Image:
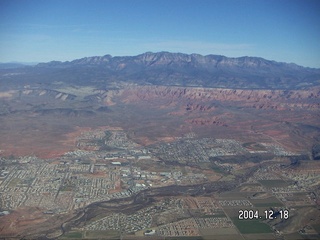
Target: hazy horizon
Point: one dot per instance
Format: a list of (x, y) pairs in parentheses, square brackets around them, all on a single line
[(53, 60)]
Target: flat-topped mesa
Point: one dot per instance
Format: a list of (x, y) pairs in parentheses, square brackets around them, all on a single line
[(202, 98)]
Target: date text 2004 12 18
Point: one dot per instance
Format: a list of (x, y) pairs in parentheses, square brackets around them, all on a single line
[(267, 214)]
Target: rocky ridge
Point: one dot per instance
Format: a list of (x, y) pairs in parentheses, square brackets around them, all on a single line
[(169, 69), (203, 98)]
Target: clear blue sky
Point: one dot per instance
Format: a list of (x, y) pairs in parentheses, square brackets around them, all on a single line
[(45, 30)]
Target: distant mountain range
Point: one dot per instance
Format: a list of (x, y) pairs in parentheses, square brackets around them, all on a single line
[(171, 69), (10, 65)]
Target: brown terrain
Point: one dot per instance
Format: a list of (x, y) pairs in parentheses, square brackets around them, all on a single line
[(24, 220), (46, 122)]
